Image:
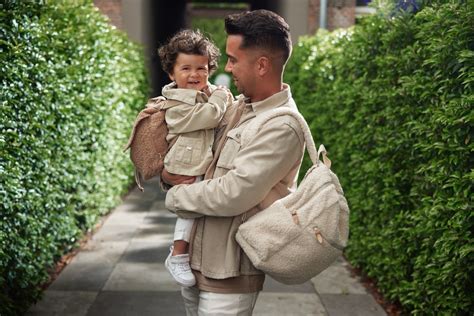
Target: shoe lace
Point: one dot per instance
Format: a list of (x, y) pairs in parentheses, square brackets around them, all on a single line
[(182, 268)]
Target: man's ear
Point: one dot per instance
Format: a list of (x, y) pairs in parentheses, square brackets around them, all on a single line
[(263, 65)]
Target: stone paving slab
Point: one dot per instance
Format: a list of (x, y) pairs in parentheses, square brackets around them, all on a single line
[(160, 217), (146, 252), (337, 280), (159, 205), (121, 271), (146, 230), (140, 277), (271, 285), (84, 277), (122, 232), (137, 303), (100, 252), (153, 236), (291, 304), (351, 305), (127, 216), (71, 303), (90, 269)]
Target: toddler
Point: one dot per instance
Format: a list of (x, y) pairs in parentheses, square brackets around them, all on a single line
[(188, 59)]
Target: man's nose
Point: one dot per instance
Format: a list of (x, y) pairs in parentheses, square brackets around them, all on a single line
[(228, 66)]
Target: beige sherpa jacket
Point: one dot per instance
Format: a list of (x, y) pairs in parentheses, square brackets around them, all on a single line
[(192, 122), (247, 179)]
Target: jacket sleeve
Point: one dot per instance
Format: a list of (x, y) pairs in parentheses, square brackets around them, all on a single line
[(258, 167), (190, 118)]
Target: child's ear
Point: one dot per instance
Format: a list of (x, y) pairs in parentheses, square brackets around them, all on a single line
[(171, 76)]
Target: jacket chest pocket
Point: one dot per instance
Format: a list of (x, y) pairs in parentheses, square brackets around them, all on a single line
[(186, 150), (229, 151)]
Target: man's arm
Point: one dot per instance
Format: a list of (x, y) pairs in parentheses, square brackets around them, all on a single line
[(268, 158)]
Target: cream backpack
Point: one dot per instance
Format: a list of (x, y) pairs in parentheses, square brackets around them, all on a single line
[(300, 235)]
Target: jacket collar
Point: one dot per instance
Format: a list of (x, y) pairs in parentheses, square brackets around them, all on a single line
[(281, 98)]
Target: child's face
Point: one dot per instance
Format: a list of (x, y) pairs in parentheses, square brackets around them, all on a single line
[(190, 71)]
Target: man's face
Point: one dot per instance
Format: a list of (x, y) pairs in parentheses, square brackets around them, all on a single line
[(241, 64)]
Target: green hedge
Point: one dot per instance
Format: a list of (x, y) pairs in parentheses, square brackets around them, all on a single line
[(71, 87), (393, 99)]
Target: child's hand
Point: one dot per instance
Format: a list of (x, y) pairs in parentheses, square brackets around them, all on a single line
[(221, 87), (175, 179), (206, 90)]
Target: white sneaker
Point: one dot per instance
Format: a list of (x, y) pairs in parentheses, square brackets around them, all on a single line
[(179, 268)]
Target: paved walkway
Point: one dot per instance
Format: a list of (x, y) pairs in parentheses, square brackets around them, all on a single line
[(121, 272)]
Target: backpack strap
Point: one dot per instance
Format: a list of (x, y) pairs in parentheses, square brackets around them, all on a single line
[(263, 118)]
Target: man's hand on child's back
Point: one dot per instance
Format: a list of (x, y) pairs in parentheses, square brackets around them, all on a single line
[(175, 179)]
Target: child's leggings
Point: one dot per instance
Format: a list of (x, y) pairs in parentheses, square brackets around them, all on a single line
[(182, 230)]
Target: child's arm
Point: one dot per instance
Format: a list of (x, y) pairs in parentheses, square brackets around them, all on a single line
[(200, 116)]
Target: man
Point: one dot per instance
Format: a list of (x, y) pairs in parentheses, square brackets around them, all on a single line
[(243, 178)]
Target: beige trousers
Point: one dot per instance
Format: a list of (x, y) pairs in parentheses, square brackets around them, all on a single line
[(201, 303)]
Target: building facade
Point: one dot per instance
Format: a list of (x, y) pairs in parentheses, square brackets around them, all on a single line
[(152, 22)]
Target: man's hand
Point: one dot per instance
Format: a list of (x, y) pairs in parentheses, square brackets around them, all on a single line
[(175, 179)]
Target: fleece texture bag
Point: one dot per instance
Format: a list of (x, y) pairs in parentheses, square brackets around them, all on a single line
[(300, 235), (147, 142)]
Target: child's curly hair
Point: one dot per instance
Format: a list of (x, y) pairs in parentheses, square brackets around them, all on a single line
[(191, 42)]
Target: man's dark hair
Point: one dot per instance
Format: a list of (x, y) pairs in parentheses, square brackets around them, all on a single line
[(261, 29), (191, 42)]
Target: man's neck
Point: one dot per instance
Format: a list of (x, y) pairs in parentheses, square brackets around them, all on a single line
[(267, 92)]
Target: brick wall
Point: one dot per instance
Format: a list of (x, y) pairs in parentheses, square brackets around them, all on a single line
[(313, 16), (340, 14), (112, 9)]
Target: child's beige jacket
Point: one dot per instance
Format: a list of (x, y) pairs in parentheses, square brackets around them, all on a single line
[(192, 123)]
